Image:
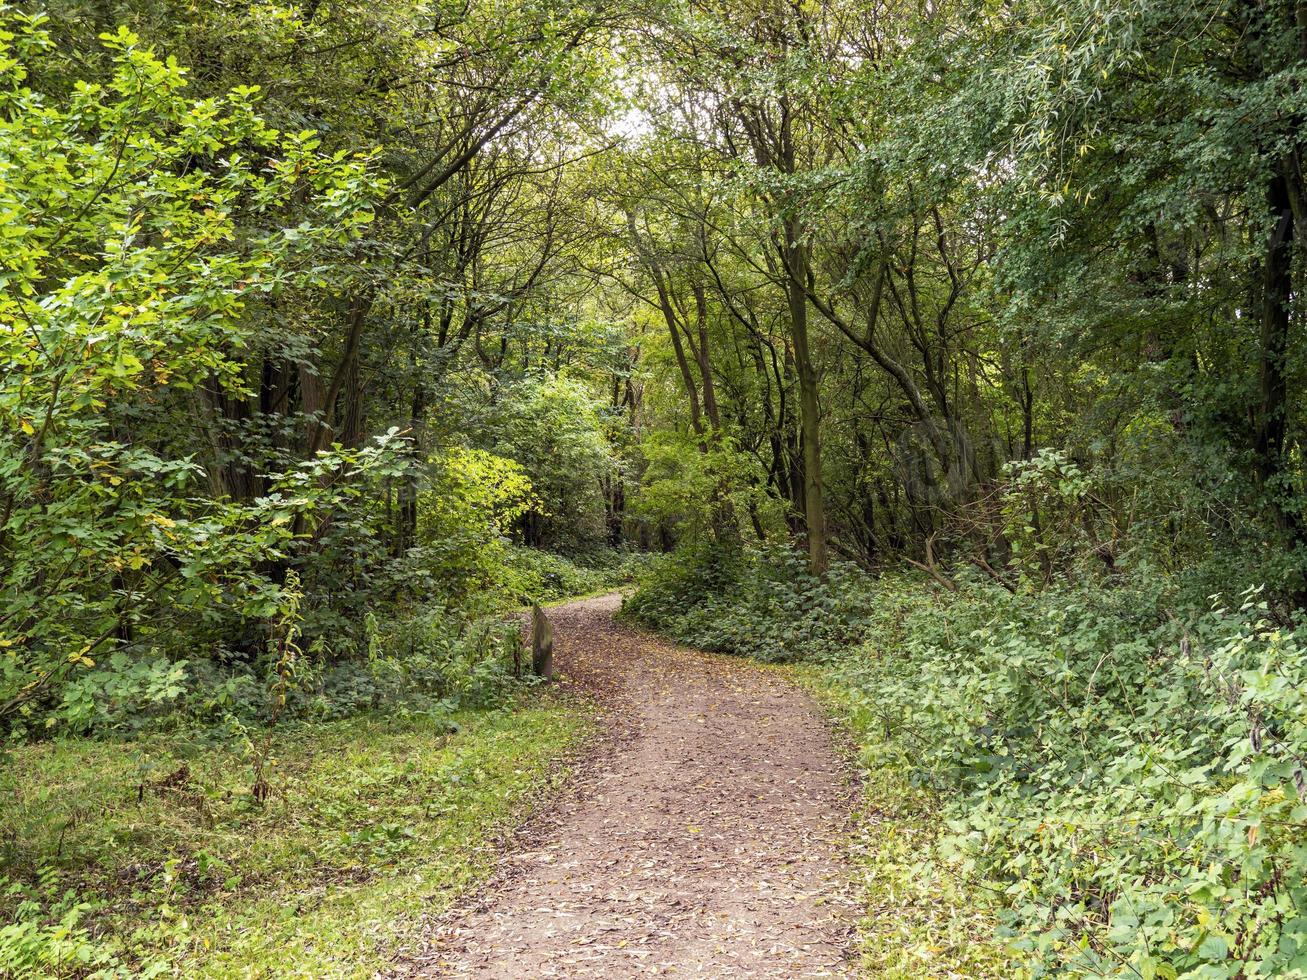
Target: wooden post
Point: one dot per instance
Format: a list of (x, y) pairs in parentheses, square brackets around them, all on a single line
[(542, 643)]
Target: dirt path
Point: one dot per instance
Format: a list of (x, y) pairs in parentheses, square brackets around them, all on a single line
[(704, 841)]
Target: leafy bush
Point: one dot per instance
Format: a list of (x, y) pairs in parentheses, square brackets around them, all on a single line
[(121, 692), (465, 517), (1132, 781), (674, 583), (766, 605), (431, 657), (432, 654), (30, 949), (532, 575)]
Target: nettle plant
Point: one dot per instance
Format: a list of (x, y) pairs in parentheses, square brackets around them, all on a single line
[(139, 227), (1130, 785)]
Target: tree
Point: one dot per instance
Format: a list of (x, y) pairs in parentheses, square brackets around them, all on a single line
[(139, 222)]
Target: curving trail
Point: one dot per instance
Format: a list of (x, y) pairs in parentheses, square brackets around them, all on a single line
[(704, 840)]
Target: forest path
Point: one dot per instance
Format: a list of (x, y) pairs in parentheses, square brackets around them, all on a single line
[(705, 839)]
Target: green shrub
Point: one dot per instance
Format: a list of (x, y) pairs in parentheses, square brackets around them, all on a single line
[(56, 939), (1133, 781), (533, 575), (431, 657), (765, 605), (689, 577)]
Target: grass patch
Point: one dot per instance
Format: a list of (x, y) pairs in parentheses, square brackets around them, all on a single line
[(920, 919), (155, 856)]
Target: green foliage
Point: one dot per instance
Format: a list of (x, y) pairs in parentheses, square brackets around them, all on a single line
[(532, 575), (121, 690), (684, 580), (476, 488), (136, 223), (1043, 504), (305, 367), (428, 659), (465, 517), (922, 916), (765, 605), (432, 655), (55, 940), (691, 487), (550, 426), (1133, 783)]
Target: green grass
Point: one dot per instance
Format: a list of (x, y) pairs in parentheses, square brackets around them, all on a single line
[(920, 918), (373, 822)]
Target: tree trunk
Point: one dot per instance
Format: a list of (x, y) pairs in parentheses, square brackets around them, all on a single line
[(1272, 409), (814, 505)]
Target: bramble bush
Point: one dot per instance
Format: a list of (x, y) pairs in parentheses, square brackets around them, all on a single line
[(1132, 780)]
